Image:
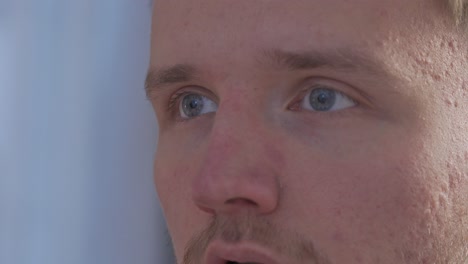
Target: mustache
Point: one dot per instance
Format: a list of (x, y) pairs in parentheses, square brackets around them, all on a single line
[(256, 229)]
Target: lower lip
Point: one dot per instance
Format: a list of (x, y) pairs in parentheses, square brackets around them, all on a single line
[(237, 253)]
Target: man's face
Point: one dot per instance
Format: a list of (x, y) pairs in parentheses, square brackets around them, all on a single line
[(300, 131)]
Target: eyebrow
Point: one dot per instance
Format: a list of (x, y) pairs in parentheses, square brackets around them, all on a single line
[(340, 59), (178, 73), (344, 60)]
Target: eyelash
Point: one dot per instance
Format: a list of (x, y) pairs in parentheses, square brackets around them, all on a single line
[(298, 100), (175, 98), (174, 101)]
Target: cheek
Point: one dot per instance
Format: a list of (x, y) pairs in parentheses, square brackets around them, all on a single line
[(372, 197), (172, 172), (175, 165)]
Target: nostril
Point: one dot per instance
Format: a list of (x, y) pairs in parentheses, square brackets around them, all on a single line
[(241, 201), (235, 262)]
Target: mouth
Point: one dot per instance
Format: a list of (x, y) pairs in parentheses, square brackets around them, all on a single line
[(220, 252), (233, 262)]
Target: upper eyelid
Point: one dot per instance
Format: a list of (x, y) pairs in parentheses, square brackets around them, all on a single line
[(322, 82), (326, 84), (301, 89), (175, 97), (344, 88)]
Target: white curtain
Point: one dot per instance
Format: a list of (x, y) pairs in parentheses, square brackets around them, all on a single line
[(77, 136)]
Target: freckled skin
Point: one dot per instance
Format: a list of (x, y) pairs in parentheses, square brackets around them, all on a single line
[(381, 183)]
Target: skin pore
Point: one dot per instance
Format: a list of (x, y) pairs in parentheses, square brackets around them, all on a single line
[(253, 165)]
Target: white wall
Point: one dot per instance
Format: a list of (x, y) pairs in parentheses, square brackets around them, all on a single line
[(77, 136)]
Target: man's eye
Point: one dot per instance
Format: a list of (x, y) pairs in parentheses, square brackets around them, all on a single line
[(326, 100), (193, 105)]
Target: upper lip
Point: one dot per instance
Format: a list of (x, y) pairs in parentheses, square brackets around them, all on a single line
[(219, 252)]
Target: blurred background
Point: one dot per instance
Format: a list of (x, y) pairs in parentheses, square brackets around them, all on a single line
[(77, 136)]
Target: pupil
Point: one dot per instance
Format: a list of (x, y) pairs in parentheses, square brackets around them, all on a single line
[(322, 99), (192, 105)]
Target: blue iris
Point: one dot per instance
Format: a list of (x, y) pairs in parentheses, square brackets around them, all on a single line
[(322, 99), (192, 105)]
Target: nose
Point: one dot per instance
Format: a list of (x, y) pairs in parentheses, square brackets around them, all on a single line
[(238, 174)]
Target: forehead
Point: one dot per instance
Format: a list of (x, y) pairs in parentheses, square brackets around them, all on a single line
[(189, 30), (274, 12)]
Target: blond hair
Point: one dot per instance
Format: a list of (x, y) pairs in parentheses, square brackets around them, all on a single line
[(459, 10)]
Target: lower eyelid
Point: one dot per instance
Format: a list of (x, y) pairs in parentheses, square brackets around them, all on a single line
[(340, 97), (175, 99)]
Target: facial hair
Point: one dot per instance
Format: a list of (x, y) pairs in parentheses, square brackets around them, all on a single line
[(254, 229)]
